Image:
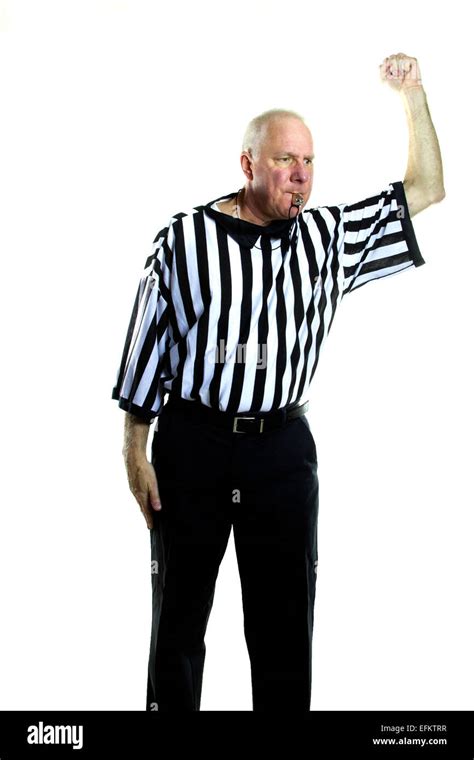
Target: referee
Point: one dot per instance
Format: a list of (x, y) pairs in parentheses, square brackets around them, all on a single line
[(235, 301)]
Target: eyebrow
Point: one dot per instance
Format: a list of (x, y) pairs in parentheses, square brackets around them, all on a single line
[(289, 153)]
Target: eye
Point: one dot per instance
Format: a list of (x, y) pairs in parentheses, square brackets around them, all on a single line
[(284, 158), (309, 161)]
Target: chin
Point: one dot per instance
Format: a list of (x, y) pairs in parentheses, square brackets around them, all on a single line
[(282, 212)]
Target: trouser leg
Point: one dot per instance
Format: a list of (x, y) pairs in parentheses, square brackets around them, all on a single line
[(275, 533), (188, 542)]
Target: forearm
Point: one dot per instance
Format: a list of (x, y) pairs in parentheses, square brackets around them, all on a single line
[(135, 437), (424, 168)]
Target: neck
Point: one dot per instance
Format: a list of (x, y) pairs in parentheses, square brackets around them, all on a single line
[(248, 210), (246, 207)]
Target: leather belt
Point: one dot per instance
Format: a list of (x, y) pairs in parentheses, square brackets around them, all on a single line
[(243, 422)]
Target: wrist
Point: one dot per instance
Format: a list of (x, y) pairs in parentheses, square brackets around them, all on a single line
[(414, 89), (414, 101)]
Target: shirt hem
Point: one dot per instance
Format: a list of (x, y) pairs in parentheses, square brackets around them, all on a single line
[(129, 406), (407, 225)]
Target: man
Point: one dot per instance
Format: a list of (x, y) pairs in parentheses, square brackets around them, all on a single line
[(232, 309)]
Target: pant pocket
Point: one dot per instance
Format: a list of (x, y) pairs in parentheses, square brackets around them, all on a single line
[(308, 435)]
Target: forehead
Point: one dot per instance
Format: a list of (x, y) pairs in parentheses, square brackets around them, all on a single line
[(286, 134)]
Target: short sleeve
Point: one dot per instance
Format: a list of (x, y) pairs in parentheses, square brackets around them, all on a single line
[(378, 238), (138, 387)]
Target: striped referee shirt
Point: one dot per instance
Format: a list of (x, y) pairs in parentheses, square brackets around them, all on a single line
[(235, 314)]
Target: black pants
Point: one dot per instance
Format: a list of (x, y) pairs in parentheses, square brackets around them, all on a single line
[(265, 486)]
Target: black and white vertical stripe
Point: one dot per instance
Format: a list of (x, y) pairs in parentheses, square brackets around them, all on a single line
[(241, 328)]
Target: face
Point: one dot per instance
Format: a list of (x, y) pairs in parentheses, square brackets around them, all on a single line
[(283, 165)]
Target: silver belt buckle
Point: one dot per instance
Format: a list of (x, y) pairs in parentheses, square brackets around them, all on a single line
[(236, 421)]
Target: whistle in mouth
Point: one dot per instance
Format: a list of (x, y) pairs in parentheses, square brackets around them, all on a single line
[(297, 199)]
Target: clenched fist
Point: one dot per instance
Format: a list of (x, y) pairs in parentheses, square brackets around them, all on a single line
[(400, 71)]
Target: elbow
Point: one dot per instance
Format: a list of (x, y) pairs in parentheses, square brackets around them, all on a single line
[(438, 195), (420, 196)]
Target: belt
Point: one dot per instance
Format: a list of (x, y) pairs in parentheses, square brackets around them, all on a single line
[(245, 422)]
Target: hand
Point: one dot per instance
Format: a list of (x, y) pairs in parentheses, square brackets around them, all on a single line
[(144, 486), (401, 72)]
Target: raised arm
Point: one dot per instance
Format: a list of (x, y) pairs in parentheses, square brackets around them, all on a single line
[(423, 182)]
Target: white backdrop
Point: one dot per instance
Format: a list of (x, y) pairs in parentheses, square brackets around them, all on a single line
[(116, 114)]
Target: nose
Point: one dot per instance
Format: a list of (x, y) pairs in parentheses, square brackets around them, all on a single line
[(300, 173)]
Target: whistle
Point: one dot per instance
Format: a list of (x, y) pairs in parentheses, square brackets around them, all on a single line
[(297, 199)]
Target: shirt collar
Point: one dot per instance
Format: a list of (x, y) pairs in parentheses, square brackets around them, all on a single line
[(247, 233)]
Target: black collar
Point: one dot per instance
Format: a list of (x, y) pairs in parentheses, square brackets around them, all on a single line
[(247, 233)]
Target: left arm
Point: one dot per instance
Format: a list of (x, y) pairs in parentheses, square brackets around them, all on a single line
[(423, 182)]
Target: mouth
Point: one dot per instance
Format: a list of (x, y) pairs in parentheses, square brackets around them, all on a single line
[(297, 199)]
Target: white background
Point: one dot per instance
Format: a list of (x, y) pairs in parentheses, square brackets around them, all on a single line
[(115, 115)]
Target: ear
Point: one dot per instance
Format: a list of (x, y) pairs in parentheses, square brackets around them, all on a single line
[(246, 164)]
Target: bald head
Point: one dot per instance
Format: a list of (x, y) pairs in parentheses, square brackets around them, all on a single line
[(258, 129)]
